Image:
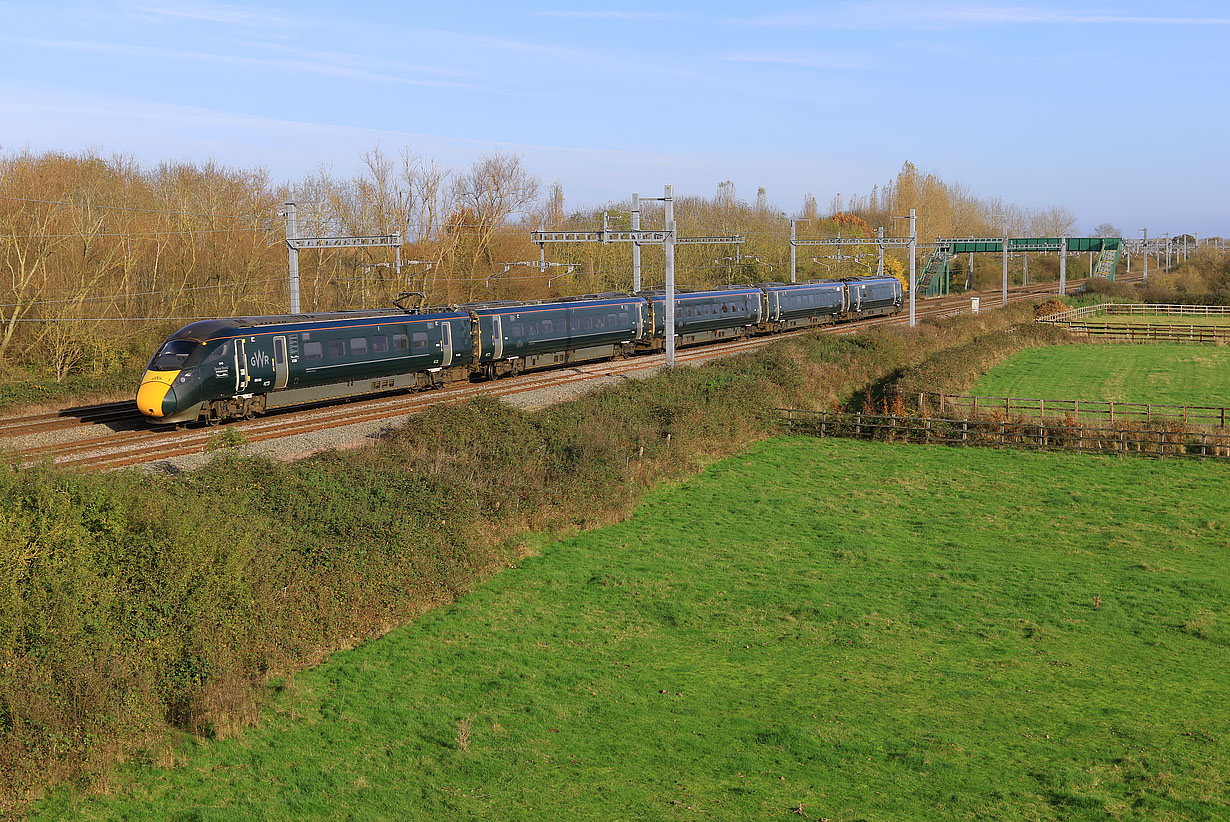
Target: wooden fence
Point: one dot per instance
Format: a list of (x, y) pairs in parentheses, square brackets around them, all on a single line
[(1151, 332), (1043, 434), (1201, 416), (1113, 309)]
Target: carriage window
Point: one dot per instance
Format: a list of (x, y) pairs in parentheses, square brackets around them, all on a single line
[(312, 350), (533, 327), (380, 344), (401, 342), (516, 330), (623, 318), (611, 321), (724, 309), (420, 340), (574, 324), (358, 345), (548, 326), (599, 322), (337, 348), (587, 323)]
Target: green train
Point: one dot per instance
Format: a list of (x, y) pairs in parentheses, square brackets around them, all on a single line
[(216, 370)]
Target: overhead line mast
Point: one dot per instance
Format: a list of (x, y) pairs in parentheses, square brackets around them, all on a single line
[(294, 243), (667, 238)]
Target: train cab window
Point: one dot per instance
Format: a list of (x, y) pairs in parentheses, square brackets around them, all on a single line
[(173, 355), (358, 345), (313, 350), (337, 348), (401, 342), (380, 344), (420, 340)]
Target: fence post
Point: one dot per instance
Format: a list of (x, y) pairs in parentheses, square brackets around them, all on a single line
[(824, 415), (858, 429), (1122, 441), (1001, 436), (1041, 409), (964, 431), (1112, 413)]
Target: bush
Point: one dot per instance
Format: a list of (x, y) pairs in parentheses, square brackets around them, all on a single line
[(132, 604)]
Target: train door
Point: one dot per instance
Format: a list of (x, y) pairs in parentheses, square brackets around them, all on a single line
[(447, 348), (497, 325), (640, 320), (281, 370), (241, 366)]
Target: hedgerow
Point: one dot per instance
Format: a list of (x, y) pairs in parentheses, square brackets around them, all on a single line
[(136, 606)]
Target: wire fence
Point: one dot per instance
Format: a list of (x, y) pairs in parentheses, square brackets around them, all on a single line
[(1122, 440), (968, 405)]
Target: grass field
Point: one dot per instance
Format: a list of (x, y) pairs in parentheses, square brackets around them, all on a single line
[(834, 629), (1128, 372), (1161, 319)]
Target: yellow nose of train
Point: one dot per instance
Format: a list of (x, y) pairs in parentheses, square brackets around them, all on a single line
[(152, 396)]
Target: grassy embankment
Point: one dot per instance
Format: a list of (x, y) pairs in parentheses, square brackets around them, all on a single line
[(26, 388), (837, 629), (131, 605), (1127, 372)]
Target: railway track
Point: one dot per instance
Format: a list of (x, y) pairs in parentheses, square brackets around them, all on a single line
[(125, 441)]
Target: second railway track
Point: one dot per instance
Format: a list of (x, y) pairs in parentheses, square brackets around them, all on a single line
[(126, 442)]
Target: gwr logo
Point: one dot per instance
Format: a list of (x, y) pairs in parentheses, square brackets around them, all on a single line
[(260, 359)]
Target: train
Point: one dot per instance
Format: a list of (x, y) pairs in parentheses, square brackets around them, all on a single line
[(217, 370)]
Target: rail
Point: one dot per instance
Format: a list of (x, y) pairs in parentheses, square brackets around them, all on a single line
[(1041, 435), (1209, 416)]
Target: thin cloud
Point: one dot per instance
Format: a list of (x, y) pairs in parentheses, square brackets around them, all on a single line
[(208, 13), (811, 60), (613, 15), (890, 16), (353, 60), (292, 65)]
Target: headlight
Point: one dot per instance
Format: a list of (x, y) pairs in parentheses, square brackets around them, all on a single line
[(184, 376)]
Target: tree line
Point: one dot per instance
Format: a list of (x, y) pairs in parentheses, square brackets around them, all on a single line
[(100, 256)]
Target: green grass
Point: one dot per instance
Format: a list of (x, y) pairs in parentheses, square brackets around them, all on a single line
[(21, 386), (860, 630), (1128, 372), (1162, 319)]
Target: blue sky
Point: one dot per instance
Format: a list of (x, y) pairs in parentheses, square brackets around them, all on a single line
[(1116, 110)]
